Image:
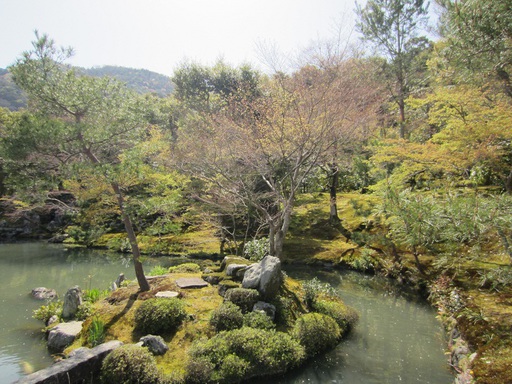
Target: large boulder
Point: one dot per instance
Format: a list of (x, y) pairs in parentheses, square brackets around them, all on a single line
[(42, 293), (72, 300), (264, 276), (63, 335)]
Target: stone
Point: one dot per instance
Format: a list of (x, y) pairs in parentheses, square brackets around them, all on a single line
[(264, 276), (267, 308), (234, 269), (81, 367), (42, 293), (52, 320), (233, 260), (167, 294), (191, 282), (155, 344), (63, 335), (72, 300), (120, 280)]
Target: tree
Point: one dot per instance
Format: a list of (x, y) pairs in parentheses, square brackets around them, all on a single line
[(392, 27), (86, 119), (478, 36), (262, 154)]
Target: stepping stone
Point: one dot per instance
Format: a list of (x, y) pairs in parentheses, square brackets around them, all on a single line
[(191, 282), (167, 294)]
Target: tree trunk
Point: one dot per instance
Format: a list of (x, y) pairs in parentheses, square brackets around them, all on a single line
[(333, 193), (508, 183), (401, 105), (139, 271)]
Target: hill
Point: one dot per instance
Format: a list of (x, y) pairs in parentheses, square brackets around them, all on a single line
[(11, 97), (140, 80)]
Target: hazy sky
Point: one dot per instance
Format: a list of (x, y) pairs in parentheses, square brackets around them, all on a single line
[(160, 34)]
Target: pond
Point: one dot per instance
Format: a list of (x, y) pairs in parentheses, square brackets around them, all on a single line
[(397, 339)]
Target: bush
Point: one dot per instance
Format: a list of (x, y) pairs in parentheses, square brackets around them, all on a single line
[(258, 320), (241, 354), (157, 316), (226, 317), (84, 310), (344, 316), (185, 268), (313, 288), (157, 270), (256, 250), (243, 297), (316, 333), (45, 312), (129, 364)]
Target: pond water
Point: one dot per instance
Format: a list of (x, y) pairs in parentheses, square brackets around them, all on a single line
[(397, 339)]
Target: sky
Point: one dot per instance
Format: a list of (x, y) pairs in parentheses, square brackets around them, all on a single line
[(160, 35)]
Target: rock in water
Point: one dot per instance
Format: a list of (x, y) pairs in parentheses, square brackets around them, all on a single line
[(42, 293), (72, 300)]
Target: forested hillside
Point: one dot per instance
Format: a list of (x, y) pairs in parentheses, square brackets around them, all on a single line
[(416, 134), (140, 80)]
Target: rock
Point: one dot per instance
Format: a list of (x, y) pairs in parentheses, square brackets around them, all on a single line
[(236, 270), (120, 279), (167, 294), (264, 276), (81, 367), (191, 282), (42, 293), (57, 239), (233, 260), (52, 320), (267, 308), (213, 279), (155, 344), (63, 335), (72, 300)]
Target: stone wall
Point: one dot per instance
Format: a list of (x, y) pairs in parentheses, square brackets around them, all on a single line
[(81, 368)]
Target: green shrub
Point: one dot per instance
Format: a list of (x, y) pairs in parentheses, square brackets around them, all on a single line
[(96, 332), (243, 297), (157, 316), (258, 320), (233, 368), (243, 353), (129, 364), (226, 317), (316, 332), (344, 316), (84, 310), (256, 250), (314, 288), (45, 312), (157, 270), (199, 370), (185, 268)]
